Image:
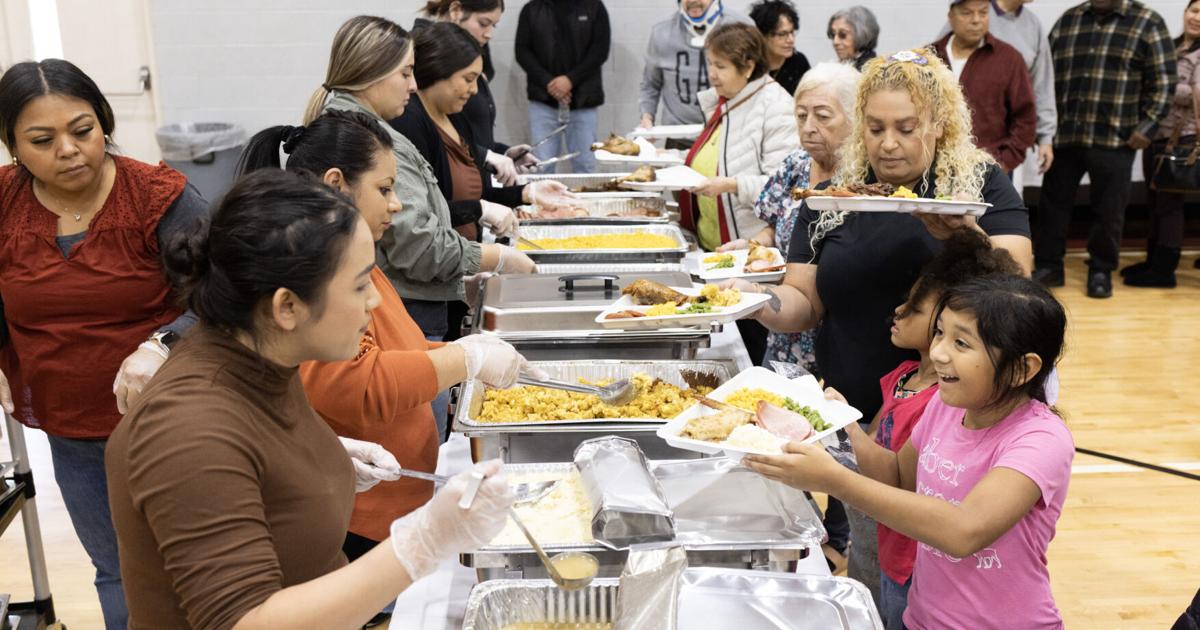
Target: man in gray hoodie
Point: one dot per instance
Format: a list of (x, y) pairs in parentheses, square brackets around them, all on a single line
[(675, 66)]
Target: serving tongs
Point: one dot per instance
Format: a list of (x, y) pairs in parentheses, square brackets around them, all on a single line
[(617, 393)]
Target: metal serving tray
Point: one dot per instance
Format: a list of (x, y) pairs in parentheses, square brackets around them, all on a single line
[(716, 599), (610, 209), (666, 254), (725, 516), (471, 399)]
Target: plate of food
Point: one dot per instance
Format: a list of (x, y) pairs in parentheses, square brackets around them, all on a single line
[(683, 132), (884, 198), (759, 263), (645, 304), (666, 179), (619, 150), (756, 413)]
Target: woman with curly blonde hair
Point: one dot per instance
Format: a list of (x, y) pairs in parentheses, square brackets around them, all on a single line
[(847, 272)]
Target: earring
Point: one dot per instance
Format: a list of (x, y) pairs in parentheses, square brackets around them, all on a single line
[(16, 162)]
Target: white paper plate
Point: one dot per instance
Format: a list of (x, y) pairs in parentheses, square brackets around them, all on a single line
[(671, 158), (898, 204), (686, 132), (695, 265), (804, 391), (679, 177), (750, 303)]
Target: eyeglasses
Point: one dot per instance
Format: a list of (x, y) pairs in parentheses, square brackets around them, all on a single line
[(783, 34)]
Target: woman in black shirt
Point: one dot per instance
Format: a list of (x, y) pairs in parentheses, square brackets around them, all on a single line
[(778, 22), (849, 271)]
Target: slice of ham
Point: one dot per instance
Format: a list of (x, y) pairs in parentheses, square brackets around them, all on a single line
[(782, 422), (763, 266)]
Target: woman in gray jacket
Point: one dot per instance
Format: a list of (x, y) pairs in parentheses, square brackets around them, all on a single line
[(371, 71)]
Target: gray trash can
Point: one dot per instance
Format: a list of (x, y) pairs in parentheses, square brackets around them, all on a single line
[(206, 152)]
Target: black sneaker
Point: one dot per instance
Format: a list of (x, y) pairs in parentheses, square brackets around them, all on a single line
[(1099, 284), (1049, 277)]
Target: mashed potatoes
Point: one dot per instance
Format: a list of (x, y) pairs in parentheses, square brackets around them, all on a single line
[(754, 438), (632, 240), (562, 517), (655, 399)]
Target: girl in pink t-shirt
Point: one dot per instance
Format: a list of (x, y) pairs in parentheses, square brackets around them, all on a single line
[(909, 388), (982, 480)]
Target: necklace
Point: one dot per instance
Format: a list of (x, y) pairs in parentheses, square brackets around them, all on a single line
[(62, 207)]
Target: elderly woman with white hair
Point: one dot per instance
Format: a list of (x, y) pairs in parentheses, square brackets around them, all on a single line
[(823, 102), (854, 33)]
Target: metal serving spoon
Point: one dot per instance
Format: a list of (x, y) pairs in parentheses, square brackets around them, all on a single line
[(526, 492), (616, 393)]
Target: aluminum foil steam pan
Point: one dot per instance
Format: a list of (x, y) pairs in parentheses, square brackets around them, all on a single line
[(630, 505), (758, 600), (718, 503)]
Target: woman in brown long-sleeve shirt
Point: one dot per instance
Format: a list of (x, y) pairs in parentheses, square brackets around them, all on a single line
[(229, 494)]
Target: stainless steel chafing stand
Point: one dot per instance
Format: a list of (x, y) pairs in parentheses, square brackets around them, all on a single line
[(539, 441)]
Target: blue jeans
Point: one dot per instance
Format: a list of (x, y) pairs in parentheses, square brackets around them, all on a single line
[(579, 136), (441, 406), (893, 599), (79, 471)]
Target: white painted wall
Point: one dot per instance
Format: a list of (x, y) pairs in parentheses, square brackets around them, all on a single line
[(255, 62)]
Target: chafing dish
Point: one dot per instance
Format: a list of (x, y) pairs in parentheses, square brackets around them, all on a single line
[(574, 181), (553, 317), (725, 516), (663, 254), (556, 440), (640, 269), (609, 208), (714, 599)]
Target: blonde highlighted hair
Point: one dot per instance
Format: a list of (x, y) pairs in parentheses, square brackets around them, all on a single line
[(365, 49), (959, 167)]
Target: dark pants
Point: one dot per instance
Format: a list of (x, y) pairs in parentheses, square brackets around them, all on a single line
[(754, 336), (1166, 208), (1111, 176)]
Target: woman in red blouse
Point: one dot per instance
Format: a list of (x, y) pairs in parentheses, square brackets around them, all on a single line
[(88, 309)]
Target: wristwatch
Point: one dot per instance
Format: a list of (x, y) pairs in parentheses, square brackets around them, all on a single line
[(164, 338)]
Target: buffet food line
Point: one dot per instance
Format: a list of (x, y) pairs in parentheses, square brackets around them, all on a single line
[(651, 486)]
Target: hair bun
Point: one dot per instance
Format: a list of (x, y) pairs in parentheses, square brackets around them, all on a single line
[(289, 136), (185, 257)]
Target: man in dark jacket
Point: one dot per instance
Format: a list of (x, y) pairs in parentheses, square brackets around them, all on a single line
[(562, 45)]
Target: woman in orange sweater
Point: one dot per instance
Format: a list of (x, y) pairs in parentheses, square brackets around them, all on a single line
[(383, 395)]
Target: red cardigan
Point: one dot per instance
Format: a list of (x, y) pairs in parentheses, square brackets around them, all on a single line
[(996, 85), (73, 320)]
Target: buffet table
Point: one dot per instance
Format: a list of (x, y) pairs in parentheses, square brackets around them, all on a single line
[(439, 600)]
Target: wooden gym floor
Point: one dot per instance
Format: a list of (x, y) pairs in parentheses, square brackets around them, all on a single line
[(1127, 553)]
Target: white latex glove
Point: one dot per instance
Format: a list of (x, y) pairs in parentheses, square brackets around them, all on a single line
[(494, 361), (550, 194), (440, 529), (740, 243), (472, 285), (135, 372), (522, 155), (372, 463), (506, 170), (501, 220), (513, 260), (6, 400)]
